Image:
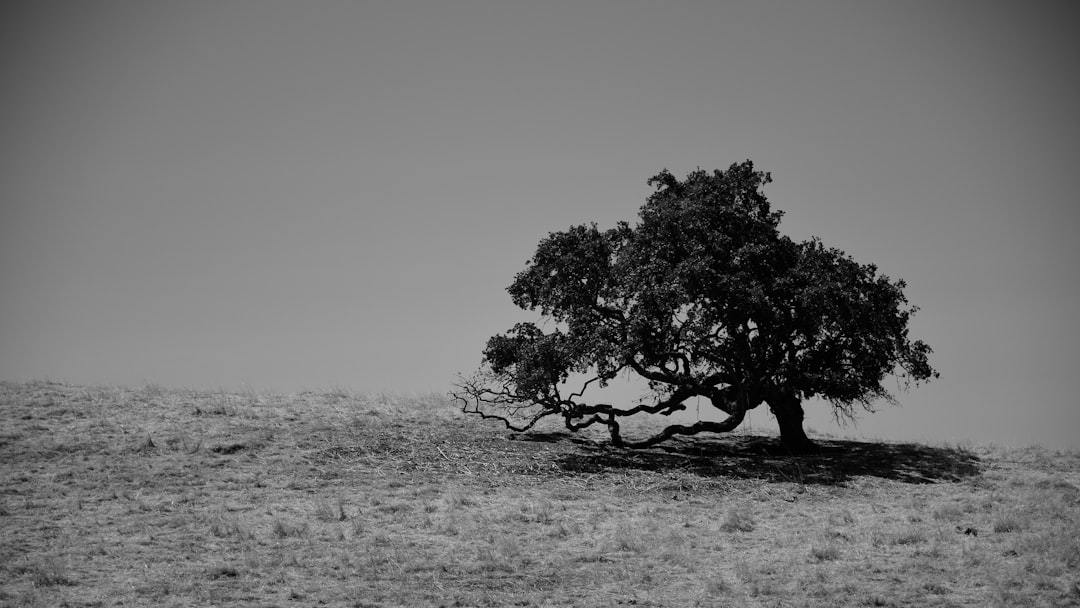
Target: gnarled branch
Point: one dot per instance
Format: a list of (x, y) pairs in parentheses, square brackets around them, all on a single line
[(478, 397)]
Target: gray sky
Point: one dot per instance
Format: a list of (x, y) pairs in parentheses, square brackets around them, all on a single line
[(294, 195)]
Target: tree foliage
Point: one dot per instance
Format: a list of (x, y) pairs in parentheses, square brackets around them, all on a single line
[(703, 298)]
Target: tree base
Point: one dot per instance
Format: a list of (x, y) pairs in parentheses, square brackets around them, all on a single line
[(799, 447), (789, 417)]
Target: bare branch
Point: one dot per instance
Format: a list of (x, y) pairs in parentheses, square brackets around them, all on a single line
[(474, 395), (677, 429)]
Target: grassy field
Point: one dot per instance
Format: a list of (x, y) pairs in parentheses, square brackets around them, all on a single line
[(152, 497)]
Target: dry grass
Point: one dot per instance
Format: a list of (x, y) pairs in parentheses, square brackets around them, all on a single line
[(152, 497)]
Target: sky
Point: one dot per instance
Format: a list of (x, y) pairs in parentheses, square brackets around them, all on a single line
[(284, 196)]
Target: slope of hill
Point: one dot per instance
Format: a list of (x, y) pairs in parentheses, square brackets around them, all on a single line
[(151, 497)]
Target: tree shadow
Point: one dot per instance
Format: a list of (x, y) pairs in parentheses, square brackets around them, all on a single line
[(757, 457)]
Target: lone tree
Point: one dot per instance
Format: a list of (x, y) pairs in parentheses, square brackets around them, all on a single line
[(703, 298)]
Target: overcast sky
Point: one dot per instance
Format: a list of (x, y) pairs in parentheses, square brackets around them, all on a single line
[(300, 195)]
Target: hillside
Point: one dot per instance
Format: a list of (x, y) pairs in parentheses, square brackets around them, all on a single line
[(151, 497)]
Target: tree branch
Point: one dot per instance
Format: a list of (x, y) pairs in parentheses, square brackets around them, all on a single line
[(649, 374), (701, 426), (474, 395)]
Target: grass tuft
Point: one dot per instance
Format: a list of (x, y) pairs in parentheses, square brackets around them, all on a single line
[(1009, 522), (217, 572), (738, 519), (285, 529), (825, 553), (326, 511), (47, 571)]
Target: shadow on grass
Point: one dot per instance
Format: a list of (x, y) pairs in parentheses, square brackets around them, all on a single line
[(750, 457)]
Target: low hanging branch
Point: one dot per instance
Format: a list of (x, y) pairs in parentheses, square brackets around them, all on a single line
[(504, 405), (702, 298)]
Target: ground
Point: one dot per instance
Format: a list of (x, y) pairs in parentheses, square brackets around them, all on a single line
[(145, 496)]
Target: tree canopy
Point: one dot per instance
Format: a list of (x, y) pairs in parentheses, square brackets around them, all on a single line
[(703, 298)]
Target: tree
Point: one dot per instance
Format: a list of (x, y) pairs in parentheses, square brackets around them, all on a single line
[(703, 298)]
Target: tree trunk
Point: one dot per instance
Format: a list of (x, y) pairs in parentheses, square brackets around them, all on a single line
[(789, 417)]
